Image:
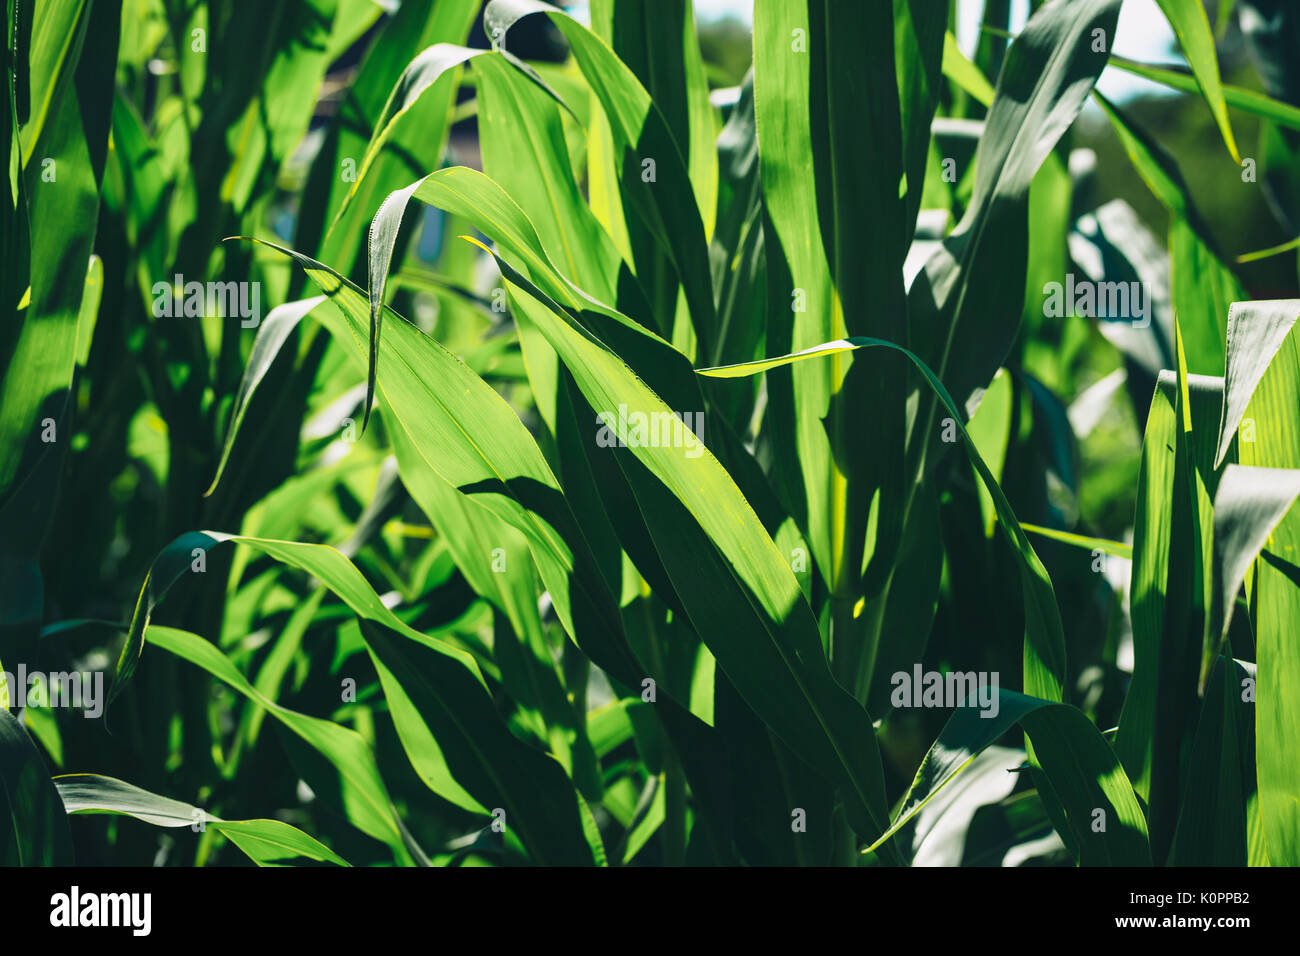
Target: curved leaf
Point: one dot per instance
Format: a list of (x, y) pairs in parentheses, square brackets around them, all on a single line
[(727, 571), (979, 268), (1076, 761), (1044, 638), (271, 336), (1248, 101), (450, 734), (1248, 506), (362, 793), (1117, 549), (1192, 27), (665, 201), (265, 842), (1256, 331)]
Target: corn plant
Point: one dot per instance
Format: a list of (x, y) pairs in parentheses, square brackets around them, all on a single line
[(631, 481)]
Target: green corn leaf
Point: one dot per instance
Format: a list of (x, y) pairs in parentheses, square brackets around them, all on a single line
[(538, 800), (466, 433), (1212, 828), (665, 201), (483, 451), (1044, 640), (265, 842), (801, 311), (183, 554), (434, 726), (965, 73), (653, 41), (1172, 526), (1274, 411), (271, 336), (535, 168), (1152, 536), (35, 831), (1270, 251), (979, 269), (990, 430), (272, 672), (88, 314), (920, 46), (1248, 101), (425, 70), (914, 592), (1257, 332), (1248, 506), (524, 150), (469, 194), (1192, 27), (1075, 761), (1116, 548), (738, 252), (658, 42), (714, 547), (415, 143), (18, 41), (1202, 286), (360, 790), (825, 76), (769, 780), (494, 557)]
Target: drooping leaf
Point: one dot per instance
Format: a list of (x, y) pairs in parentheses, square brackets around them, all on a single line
[(414, 143), (1248, 101), (714, 545), (362, 794), (1116, 548), (1256, 333), (265, 842), (433, 729), (1075, 759), (643, 141), (271, 336), (979, 269), (1248, 506), (1044, 639), (471, 437), (1192, 27)]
